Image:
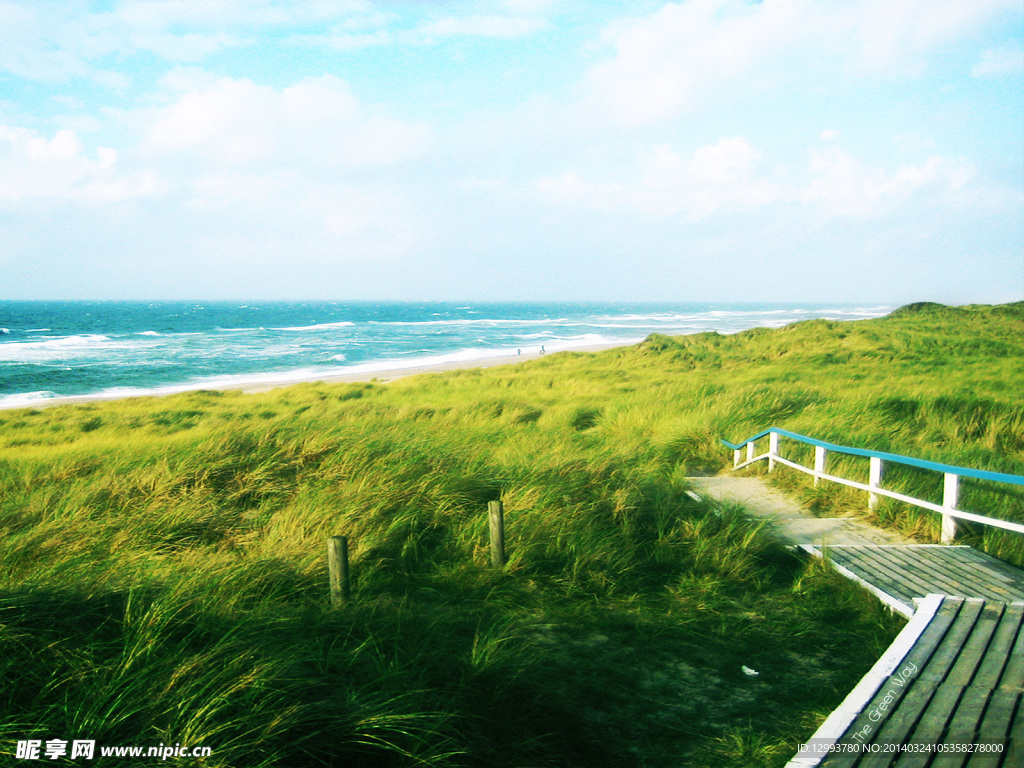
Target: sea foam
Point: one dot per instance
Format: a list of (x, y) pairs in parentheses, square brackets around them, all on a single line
[(112, 349)]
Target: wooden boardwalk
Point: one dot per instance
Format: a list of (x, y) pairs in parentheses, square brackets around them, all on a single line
[(899, 575), (949, 691), (787, 518)]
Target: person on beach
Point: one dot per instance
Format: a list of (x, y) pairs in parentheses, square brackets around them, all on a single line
[(542, 350)]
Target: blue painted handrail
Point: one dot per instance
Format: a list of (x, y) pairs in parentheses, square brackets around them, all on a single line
[(979, 474)]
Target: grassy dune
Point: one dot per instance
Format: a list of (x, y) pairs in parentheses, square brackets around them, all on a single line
[(163, 574)]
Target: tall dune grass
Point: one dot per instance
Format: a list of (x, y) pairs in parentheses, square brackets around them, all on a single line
[(163, 575)]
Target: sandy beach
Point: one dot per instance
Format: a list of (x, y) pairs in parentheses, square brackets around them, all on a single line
[(363, 374)]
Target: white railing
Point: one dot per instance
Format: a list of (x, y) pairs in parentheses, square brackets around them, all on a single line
[(951, 476)]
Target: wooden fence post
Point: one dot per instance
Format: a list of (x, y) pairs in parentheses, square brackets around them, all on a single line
[(751, 450), (875, 481), (337, 565), (496, 516), (950, 498), (773, 449)]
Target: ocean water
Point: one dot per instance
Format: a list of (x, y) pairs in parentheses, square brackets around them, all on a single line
[(58, 349)]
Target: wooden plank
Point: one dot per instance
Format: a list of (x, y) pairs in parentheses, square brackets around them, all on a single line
[(985, 565), (1007, 676), (886, 575), (922, 713), (920, 567), (1012, 680), (915, 578), (1015, 741), (908, 572), (954, 694), (898, 710), (894, 560), (954, 576), (962, 650), (908, 715), (932, 724), (974, 580), (995, 729), (839, 721), (871, 723), (963, 728), (953, 571), (891, 564), (991, 567), (949, 569), (897, 604), (976, 647), (960, 630), (983, 572), (837, 560)]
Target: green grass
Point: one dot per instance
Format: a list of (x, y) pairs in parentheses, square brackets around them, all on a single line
[(163, 569)]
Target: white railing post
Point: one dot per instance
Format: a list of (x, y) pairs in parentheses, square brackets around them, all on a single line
[(819, 462), (736, 457), (874, 481), (773, 449), (950, 498), (751, 450)]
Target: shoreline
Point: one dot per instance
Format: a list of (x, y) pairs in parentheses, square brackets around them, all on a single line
[(379, 375)]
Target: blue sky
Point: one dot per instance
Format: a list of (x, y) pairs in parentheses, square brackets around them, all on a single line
[(787, 150)]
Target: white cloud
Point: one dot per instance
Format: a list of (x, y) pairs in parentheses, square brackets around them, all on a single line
[(845, 187), (297, 167), (1004, 61), (684, 54), (190, 47), (54, 42), (165, 14), (571, 189), (898, 35), (190, 30), (504, 27), (381, 31), (530, 6), (251, 15), (31, 48), (344, 40), (730, 175), (726, 162), (722, 176), (317, 123), (286, 209), (32, 166), (665, 62)]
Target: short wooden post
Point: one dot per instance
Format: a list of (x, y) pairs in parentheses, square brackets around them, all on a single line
[(496, 516), (950, 498), (819, 462), (875, 481), (773, 449), (751, 450), (337, 565), (736, 458)]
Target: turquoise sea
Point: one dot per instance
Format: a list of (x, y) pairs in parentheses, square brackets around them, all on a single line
[(55, 349)]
